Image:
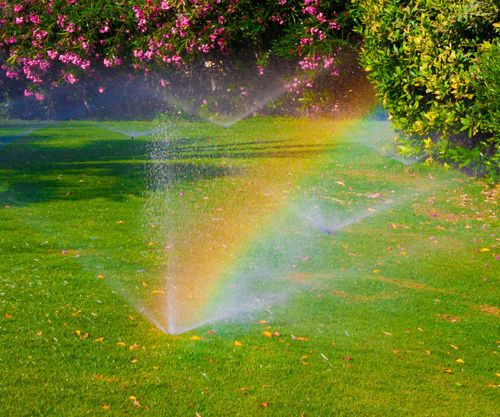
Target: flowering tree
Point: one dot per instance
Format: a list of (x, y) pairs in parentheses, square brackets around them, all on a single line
[(46, 44)]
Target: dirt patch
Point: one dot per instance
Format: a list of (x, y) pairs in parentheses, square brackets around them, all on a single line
[(441, 215), (406, 283), (450, 318), (305, 277), (490, 310), (373, 174), (339, 293), (374, 297)]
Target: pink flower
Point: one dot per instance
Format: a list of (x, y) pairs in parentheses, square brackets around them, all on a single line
[(11, 74), (100, 90), (39, 34), (35, 19), (70, 78), (18, 8), (309, 10), (182, 22)]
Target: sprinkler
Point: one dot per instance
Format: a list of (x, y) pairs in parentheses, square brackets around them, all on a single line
[(330, 232)]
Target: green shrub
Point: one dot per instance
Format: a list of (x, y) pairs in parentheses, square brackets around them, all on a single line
[(434, 66)]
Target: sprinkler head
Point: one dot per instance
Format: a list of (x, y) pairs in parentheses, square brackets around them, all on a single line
[(330, 232)]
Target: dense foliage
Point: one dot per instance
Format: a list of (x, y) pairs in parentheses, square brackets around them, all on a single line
[(433, 66), (49, 43)]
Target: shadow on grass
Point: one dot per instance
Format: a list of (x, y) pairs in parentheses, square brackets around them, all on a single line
[(34, 172)]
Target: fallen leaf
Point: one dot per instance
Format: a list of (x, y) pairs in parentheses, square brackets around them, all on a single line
[(387, 333), (135, 346), (455, 347), (136, 403), (300, 338), (105, 407), (158, 292), (460, 361), (262, 322), (264, 405), (347, 358), (121, 344), (376, 271), (119, 222), (8, 316), (99, 340), (484, 250), (267, 334), (276, 334), (211, 332), (447, 370), (100, 276), (237, 343), (195, 338)]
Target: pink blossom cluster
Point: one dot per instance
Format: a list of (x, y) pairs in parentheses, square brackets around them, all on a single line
[(48, 42)]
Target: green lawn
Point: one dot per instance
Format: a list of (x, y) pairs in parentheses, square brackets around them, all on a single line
[(396, 314)]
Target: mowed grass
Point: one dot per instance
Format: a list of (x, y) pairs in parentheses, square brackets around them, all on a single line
[(395, 315)]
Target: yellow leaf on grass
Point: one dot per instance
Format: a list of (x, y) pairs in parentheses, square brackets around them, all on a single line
[(105, 407), (267, 334), (447, 370), (237, 343), (121, 344), (262, 322), (135, 346), (8, 316), (99, 340), (299, 338), (484, 250), (161, 292), (100, 276), (134, 401), (460, 361), (195, 338)]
